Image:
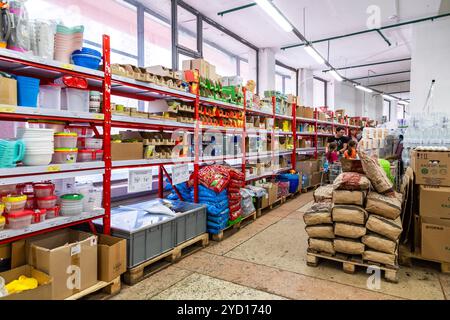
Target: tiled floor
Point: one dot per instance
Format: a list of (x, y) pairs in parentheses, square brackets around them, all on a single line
[(267, 260)]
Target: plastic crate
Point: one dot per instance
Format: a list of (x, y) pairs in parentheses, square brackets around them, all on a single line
[(75, 100)]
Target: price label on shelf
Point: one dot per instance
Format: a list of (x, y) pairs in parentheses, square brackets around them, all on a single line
[(53, 168), (99, 116), (7, 109), (180, 173), (68, 66), (140, 180)]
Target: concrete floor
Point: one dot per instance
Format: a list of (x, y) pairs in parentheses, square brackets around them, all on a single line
[(267, 260)]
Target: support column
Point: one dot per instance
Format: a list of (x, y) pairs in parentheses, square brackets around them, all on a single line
[(306, 87), (266, 70)]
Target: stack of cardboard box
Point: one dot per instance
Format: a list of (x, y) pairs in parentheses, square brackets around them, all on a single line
[(431, 170), (310, 171)]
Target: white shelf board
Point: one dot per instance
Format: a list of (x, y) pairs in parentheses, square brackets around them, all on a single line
[(261, 112), (48, 224), (204, 100), (154, 122), (24, 174), (50, 113)]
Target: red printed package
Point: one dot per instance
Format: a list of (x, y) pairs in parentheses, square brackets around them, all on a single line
[(235, 215), (234, 196), (235, 207)]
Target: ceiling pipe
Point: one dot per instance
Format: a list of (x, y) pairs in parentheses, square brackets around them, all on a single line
[(369, 64), (382, 75), (369, 31), (222, 13), (389, 83), (384, 38)]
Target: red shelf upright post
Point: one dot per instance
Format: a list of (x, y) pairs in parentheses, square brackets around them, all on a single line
[(196, 146), (244, 133), (316, 136), (294, 136), (107, 134), (274, 109)]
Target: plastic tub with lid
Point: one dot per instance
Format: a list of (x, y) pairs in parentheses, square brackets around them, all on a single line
[(90, 143), (30, 201), (38, 158), (14, 203), (19, 219), (56, 126), (71, 205), (47, 202), (25, 188), (89, 155), (65, 156), (66, 140), (52, 213), (45, 189), (75, 100), (81, 131), (39, 215), (50, 97)]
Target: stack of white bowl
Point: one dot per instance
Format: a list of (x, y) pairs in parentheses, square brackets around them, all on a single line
[(39, 145)]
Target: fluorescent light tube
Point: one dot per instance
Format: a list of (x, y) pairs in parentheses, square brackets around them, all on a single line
[(364, 89), (388, 97), (313, 53), (336, 75), (404, 103), (273, 12)]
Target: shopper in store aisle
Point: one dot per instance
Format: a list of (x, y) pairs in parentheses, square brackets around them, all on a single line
[(351, 153), (340, 139)]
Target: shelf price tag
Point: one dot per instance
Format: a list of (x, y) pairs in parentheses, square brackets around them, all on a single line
[(180, 173), (53, 168), (99, 116), (68, 66), (140, 180), (7, 109)]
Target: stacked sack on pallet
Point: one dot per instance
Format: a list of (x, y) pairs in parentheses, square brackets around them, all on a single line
[(357, 215), (237, 181), (384, 206)]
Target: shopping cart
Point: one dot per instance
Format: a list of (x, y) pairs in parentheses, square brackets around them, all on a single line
[(330, 172)]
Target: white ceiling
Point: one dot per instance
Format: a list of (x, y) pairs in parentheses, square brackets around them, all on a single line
[(324, 19)]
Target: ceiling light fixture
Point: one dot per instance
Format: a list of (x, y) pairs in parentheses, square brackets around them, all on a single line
[(313, 53), (403, 103), (388, 97), (276, 15), (359, 87), (336, 75)]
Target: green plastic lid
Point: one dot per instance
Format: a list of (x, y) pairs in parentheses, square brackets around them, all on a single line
[(72, 197)]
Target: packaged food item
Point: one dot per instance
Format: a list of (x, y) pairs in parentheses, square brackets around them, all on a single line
[(349, 197), (375, 173), (320, 231), (380, 257), (349, 214), (319, 213), (19, 219), (14, 203), (351, 181), (391, 229), (324, 193), (385, 206), (65, 156), (380, 243), (47, 202), (351, 231), (66, 140), (45, 189)]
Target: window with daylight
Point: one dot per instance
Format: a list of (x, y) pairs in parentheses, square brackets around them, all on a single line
[(320, 93), (400, 112), (158, 34), (230, 56), (285, 80), (187, 29), (119, 22)]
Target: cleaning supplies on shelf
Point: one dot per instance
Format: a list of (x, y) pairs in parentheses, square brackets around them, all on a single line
[(11, 152)]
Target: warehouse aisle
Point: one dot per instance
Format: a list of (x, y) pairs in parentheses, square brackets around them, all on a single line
[(266, 260)]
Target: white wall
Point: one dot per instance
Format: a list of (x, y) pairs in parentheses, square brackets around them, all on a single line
[(356, 102), (431, 60)]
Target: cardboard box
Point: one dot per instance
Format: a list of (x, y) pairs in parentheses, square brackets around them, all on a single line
[(431, 167), (306, 181), (69, 257), (300, 111), (127, 151), (308, 167), (436, 239), (42, 292), (273, 193), (434, 202), (308, 113), (8, 91), (112, 257)]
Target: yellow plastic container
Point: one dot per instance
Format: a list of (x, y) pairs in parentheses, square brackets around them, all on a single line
[(14, 203)]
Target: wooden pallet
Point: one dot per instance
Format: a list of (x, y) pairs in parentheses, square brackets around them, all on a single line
[(100, 291), (152, 266), (406, 258), (278, 203), (310, 188), (350, 262), (227, 232)]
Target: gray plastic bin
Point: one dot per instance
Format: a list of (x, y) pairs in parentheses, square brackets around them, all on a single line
[(190, 222), (147, 235)]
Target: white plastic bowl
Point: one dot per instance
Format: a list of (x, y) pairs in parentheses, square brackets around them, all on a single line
[(36, 159)]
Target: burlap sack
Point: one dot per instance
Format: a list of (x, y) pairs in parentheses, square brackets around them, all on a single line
[(349, 214), (322, 245), (351, 181), (319, 213), (348, 246), (349, 197), (380, 257), (320, 231), (392, 229), (379, 243), (324, 193), (375, 173), (388, 207), (351, 231)]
